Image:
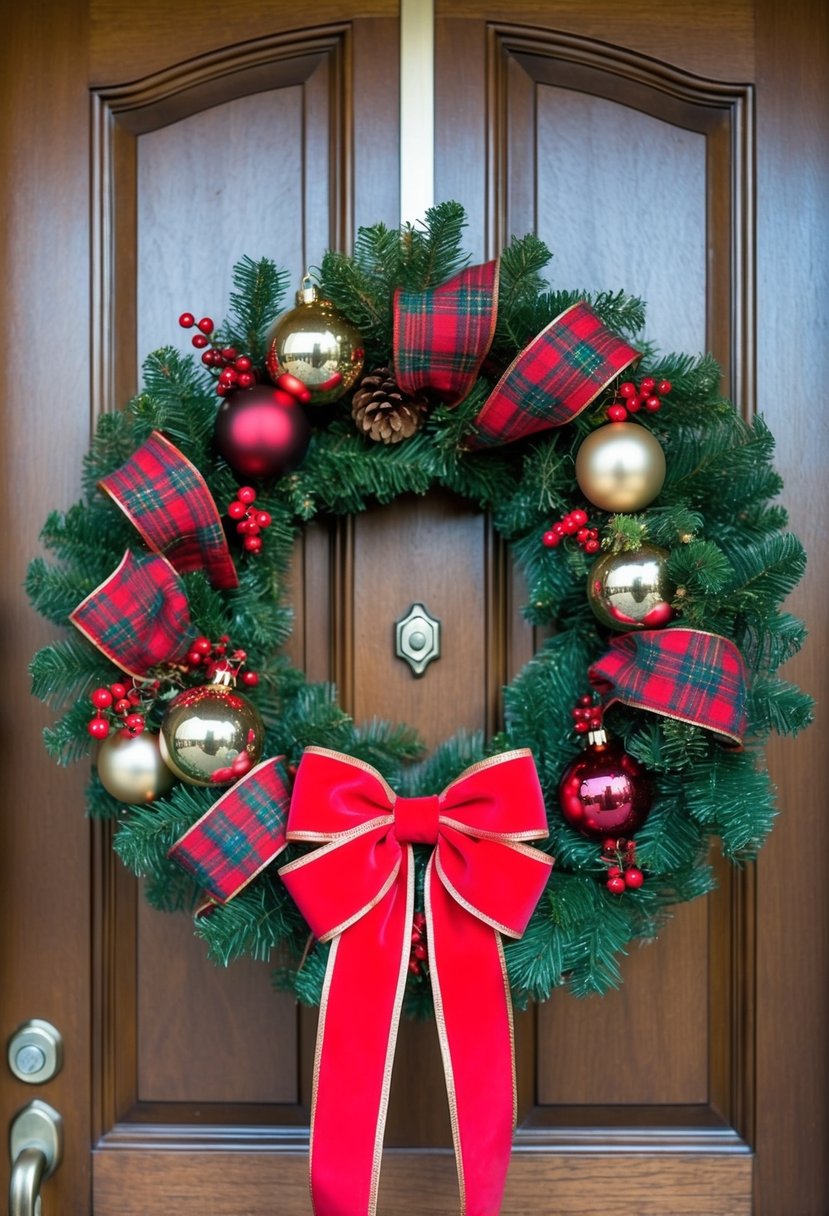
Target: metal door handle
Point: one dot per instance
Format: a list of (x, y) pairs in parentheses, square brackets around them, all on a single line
[(36, 1147)]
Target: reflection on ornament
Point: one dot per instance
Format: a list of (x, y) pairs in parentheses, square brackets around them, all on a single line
[(261, 432), (131, 767), (620, 467), (604, 792), (316, 344), (631, 590), (212, 734)]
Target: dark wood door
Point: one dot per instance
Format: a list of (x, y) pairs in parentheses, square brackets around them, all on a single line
[(678, 152)]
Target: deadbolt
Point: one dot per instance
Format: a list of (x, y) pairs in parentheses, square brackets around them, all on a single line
[(35, 1052)]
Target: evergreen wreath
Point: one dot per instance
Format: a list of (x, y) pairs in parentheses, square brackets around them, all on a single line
[(730, 561)]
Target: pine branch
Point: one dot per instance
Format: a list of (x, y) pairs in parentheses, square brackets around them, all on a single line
[(259, 291), (68, 670)]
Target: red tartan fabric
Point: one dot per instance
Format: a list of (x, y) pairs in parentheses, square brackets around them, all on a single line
[(682, 673), (239, 836), (442, 336), (166, 498), (139, 616), (553, 379)]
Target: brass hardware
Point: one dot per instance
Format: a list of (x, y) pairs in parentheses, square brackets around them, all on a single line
[(417, 638), (35, 1052), (36, 1148)]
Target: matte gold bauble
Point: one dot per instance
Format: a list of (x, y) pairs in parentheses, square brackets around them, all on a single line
[(131, 767), (631, 590), (620, 467), (316, 344), (205, 729)]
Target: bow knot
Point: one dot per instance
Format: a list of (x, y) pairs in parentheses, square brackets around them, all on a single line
[(416, 819)]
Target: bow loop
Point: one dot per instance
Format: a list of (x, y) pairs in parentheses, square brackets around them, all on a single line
[(335, 793), (499, 798)]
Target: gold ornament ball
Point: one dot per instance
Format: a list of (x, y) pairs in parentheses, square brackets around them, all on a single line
[(631, 590), (316, 344), (205, 729), (620, 467), (131, 767)]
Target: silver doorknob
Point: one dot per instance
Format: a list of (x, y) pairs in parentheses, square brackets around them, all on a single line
[(36, 1148)]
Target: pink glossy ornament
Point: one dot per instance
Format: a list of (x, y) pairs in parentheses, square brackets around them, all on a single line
[(261, 432), (604, 792)]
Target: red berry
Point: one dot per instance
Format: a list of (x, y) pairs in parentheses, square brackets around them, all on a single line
[(647, 386), (582, 535), (550, 539), (250, 678), (222, 390), (243, 363), (585, 699), (134, 696), (122, 706), (101, 698), (569, 525), (420, 952), (628, 389), (187, 320), (118, 691), (253, 543), (246, 380), (594, 534), (634, 877), (664, 387), (653, 404), (243, 526), (98, 728), (202, 645), (592, 546), (581, 727), (229, 353), (237, 510), (208, 357), (559, 529), (419, 919), (614, 871), (616, 885), (206, 325), (199, 341), (228, 376), (634, 404), (617, 413), (263, 518), (609, 844), (579, 516), (134, 723), (414, 967), (194, 658), (246, 494)]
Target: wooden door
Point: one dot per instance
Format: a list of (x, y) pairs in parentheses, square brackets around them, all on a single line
[(676, 151)]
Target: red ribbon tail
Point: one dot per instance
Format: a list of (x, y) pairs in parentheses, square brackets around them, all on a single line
[(473, 1010), (356, 1040)]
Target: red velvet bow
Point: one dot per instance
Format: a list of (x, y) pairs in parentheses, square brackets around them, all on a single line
[(358, 892)]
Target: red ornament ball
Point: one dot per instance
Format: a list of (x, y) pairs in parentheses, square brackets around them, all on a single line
[(261, 432), (605, 792)]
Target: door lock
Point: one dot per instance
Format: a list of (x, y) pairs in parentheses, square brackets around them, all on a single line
[(35, 1052)]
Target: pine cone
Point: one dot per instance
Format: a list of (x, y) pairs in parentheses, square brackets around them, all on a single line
[(383, 411)]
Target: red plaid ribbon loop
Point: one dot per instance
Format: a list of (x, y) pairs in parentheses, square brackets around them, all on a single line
[(685, 674), (442, 336), (167, 499), (239, 836), (138, 617)]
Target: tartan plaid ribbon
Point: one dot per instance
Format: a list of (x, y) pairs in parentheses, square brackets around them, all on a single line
[(442, 336), (166, 498), (139, 616), (239, 836), (681, 673)]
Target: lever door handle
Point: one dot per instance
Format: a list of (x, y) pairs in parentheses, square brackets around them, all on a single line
[(36, 1147)]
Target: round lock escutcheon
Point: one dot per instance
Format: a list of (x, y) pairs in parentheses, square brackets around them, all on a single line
[(35, 1052)]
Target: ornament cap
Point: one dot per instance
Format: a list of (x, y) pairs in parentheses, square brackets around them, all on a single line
[(597, 738), (308, 293)]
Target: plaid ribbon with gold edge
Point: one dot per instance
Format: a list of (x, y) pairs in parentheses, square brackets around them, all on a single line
[(680, 673), (167, 499), (442, 336), (139, 616), (239, 836)]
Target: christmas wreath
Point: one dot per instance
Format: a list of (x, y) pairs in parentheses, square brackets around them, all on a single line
[(638, 504)]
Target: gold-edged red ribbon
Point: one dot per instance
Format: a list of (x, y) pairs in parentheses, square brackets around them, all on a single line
[(357, 891)]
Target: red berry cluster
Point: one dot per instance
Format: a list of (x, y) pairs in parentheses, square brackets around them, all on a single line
[(214, 656), (573, 524), (419, 954), (120, 700), (586, 715), (623, 874), (647, 394), (235, 370), (250, 521)]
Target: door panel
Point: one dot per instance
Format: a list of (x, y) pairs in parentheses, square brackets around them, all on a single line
[(230, 133)]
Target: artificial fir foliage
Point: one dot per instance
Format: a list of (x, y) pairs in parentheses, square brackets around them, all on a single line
[(730, 562)]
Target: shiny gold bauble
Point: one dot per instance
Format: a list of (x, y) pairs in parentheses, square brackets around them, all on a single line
[(131, 767), (316, 344), (620, 467), (205, 729), (631, 590)]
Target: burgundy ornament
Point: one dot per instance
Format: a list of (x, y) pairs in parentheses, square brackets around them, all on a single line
[(604, 792), (261, 432)]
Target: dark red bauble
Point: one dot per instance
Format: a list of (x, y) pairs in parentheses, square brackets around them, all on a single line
[(261, 432), (605, 792)]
